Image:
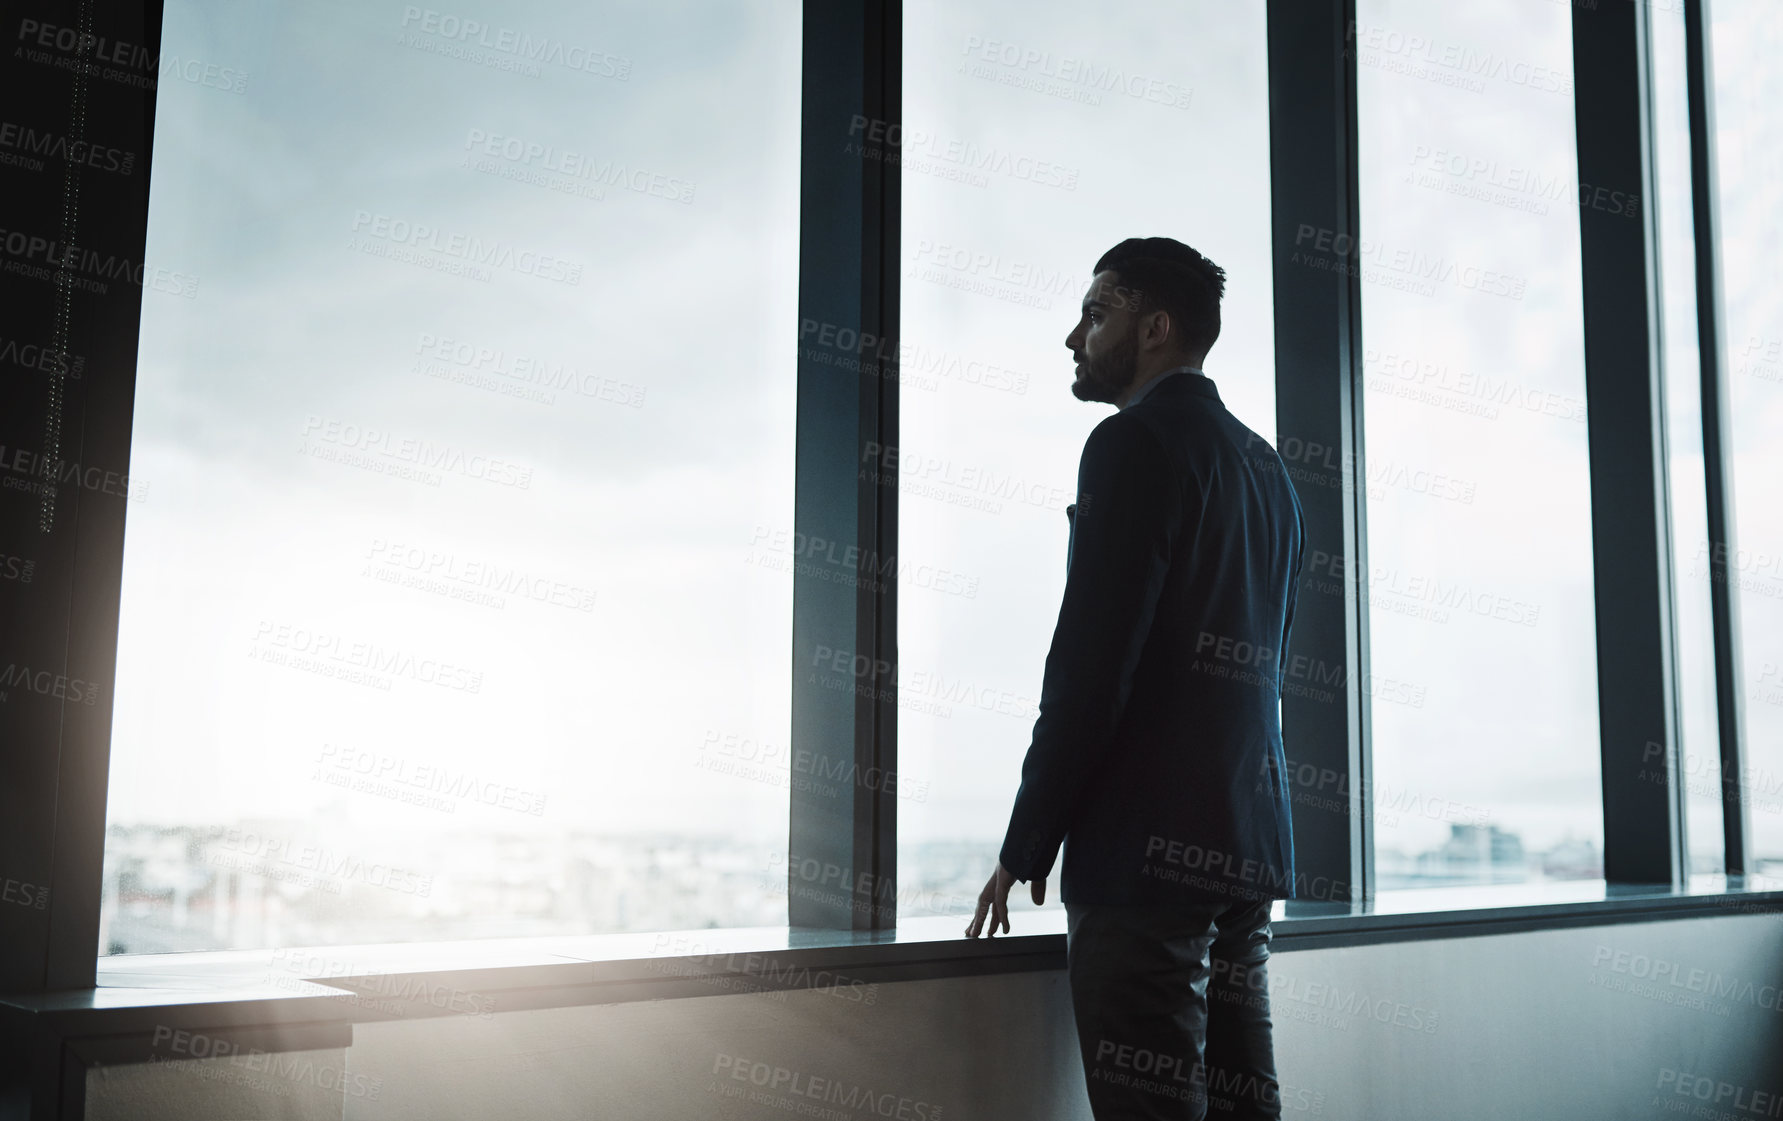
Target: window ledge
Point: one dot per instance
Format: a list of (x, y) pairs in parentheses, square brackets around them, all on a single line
[(298, 991)]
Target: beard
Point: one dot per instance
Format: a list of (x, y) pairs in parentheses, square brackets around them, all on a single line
[(1106, 376)]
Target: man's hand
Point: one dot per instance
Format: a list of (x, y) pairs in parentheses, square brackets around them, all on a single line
[(994, 900)]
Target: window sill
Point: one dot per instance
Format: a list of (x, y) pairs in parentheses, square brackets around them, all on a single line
[(290, 999)]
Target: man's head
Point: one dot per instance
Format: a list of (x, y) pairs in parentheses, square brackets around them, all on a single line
[(1153, 304)]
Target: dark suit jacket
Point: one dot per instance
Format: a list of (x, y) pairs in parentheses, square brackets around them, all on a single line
[(1157, 755)]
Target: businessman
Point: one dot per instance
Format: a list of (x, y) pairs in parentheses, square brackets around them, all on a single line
[(1156, 760)]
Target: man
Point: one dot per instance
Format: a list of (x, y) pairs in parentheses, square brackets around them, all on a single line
[(1157, 755)]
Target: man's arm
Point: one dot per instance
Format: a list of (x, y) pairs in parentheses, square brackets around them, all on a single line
[(1293, 585), (1129, 506)]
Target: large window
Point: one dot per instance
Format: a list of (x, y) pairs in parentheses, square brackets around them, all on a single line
[(1035, 138), (458, 604), (1483, 691), (1746, 38), (458, 588)]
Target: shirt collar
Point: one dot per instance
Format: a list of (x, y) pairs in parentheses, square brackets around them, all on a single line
[(1153, 384)]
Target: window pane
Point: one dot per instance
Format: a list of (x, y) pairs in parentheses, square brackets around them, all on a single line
[(1482, 648), (1747, 37), (447, 612), (1037, 139)]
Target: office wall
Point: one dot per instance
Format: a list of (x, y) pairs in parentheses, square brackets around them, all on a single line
[(1600, 1022), (301, 1088)]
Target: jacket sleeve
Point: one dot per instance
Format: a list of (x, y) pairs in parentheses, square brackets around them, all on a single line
[(1129, 508)]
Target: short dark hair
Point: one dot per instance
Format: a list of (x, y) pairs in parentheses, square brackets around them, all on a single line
[(1167, 275)]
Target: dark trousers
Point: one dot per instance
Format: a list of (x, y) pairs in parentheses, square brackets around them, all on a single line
[(1172, 1010)]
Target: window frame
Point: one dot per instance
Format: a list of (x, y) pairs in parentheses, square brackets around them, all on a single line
[(1711, 341)]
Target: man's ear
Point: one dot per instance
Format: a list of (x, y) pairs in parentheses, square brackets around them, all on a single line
[(1154, 327)]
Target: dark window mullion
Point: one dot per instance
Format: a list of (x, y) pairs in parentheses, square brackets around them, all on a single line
[(1643, 803), (1717, 445), (841, 867), (1318, 395)]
